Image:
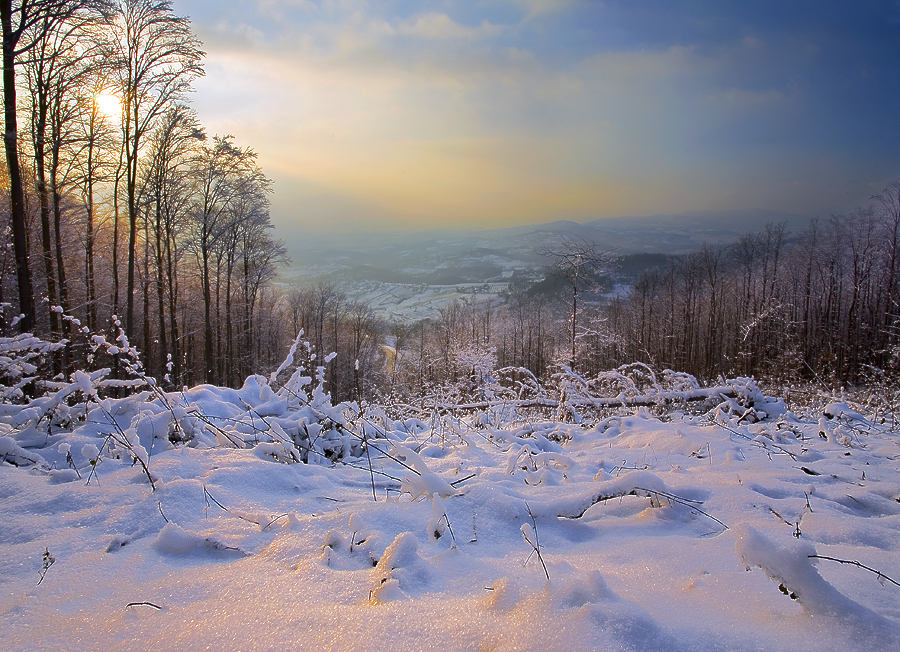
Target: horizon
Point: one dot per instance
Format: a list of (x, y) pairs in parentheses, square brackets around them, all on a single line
[(411, 116), (735, 222)]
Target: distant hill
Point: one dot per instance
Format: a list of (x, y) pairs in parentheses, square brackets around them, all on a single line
[(409, 256), (413, 273)]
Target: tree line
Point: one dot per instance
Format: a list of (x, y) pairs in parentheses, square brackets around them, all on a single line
[(119, 202), (821, 306)]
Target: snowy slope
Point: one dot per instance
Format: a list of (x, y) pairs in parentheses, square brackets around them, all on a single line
[(646, 528)]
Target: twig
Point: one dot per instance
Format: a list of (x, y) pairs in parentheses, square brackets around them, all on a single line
[(756, 442), (96, 461), (536, 544), (143, 604), (122, 439), (684, 501), (277, 518), (47, 561), (449, 529), (456, 482), (212, 498), (881, 576), (641, 491), (71, 463), (371, 471)]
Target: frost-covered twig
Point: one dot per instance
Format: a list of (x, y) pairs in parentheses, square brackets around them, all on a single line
[(530, 534), (130, 443), (47, 561), (881, 576)]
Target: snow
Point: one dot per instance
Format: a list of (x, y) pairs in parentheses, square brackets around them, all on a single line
[(647, 527)]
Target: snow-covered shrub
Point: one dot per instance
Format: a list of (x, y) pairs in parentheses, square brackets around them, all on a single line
[(24, 366), (518, 383), (475, 365), (58, 403), (747, 403)]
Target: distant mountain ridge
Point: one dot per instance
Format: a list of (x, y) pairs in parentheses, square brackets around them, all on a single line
[(414, 273), (667, 234)]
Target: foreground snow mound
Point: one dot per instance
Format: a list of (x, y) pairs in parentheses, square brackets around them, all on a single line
[(174, 540), (276, 523), (792, 567), (401, 571)]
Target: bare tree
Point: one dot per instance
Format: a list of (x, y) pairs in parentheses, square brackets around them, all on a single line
[(156, 57), (577, 262), (90, 152), (172, 148), (222, 174), (23, 23), (60, 61)]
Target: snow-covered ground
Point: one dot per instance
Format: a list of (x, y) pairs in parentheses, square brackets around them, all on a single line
[(677, 534), (408, 303)]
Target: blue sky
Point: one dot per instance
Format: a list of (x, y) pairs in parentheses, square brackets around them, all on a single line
[(386, 115)]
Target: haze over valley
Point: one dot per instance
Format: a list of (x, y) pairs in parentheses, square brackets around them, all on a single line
[(406, 276)]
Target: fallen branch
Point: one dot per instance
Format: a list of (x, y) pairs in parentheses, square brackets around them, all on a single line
[(650, 400)]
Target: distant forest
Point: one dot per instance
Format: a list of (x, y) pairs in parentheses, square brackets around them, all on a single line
[(818, 307), (135, 224)]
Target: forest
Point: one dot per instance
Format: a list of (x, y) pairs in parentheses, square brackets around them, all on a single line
[(120, 206)]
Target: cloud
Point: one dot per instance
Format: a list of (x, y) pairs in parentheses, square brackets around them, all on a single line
[(421, 118), (440, 26), (463, 137), (238, 35), (534, 8)]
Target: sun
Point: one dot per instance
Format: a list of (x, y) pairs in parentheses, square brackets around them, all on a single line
[(109, 106)]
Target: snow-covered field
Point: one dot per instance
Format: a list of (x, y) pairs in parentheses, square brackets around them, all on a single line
[(408, 303), (676, 534)]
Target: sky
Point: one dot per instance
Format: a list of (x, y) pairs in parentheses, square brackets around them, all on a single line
[(387, 115)]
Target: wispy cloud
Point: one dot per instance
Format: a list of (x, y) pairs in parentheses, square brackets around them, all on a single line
[(534, 8), (441, 26), (474, 112)]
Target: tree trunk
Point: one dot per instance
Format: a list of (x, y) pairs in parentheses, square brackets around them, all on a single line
[(208, 360), (16, 190), (91, 306), (160, 294)]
